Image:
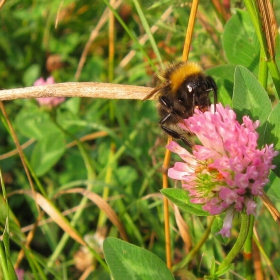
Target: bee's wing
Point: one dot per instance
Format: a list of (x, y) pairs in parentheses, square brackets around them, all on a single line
[(155, 90)]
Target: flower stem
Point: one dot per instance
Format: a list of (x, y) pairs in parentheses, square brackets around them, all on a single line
[(244, 229), (248, 250), (166, 207), (197, 247)]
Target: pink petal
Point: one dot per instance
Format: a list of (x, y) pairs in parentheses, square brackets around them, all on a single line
[(228, 195), (251, 206), (225, 231)]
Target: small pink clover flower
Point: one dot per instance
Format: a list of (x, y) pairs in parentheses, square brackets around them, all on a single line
[(48, 101)]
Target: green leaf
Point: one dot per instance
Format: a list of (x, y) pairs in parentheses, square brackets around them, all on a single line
[(272, 134), (212, 269), (31, 74), (152, 220), (240, 41), (126, 175), (64, 45), (35, 123), (250, 98), (72, 104), (224, 77), (12, 273), (273, 189), (181, 199), (129, 262), (3, 262), (47, 152)]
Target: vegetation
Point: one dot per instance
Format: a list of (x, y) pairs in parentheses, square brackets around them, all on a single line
[(91, 168)]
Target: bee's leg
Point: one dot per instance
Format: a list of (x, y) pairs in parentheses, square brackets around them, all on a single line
[(168, 130), (164, 101), (186, 142), (212, 86), (193, 103), (176, 135)]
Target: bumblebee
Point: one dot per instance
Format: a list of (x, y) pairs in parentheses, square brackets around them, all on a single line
[(185, 88)]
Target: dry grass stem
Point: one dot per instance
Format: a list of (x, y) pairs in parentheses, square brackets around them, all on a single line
[(183, 228), (15, 151), (87, 137), (52, 211), (111, 42), (190, 28), (103, 205), (92, 37), (20, 151), (221, 9), (271, 208), (203, 19), (2, 2), (87, 89), (269, 25), (50, 220), (57, 14)]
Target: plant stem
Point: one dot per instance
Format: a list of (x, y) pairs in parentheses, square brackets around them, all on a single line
[(190, 28), (245, 223), (197, 247), (263, 70), (248, 250), (165, 206), (255, 18), (102, 216), (111, 43), (148, 31), (128, 31)]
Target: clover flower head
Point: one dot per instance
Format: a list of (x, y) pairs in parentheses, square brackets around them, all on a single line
[(48, 101), (227, 171)]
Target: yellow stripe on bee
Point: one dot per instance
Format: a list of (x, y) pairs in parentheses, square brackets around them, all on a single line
[(179, 74)]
